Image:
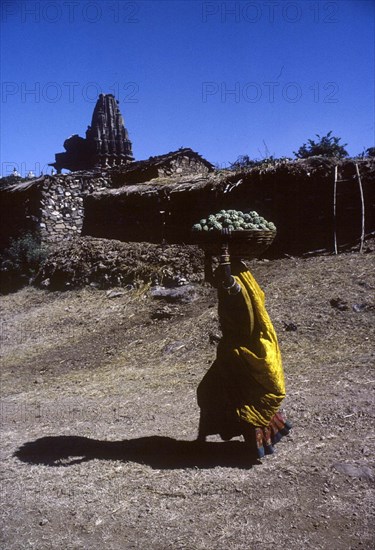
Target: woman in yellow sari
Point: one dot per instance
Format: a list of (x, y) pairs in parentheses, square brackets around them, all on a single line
[(242, 391)]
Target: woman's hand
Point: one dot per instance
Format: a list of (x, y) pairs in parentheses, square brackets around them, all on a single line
[(225, 272)]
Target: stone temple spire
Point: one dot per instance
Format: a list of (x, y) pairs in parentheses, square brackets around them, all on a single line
[(107, 141), (108, 132)]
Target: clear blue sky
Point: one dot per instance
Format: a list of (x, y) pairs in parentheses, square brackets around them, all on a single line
[(222, 77)]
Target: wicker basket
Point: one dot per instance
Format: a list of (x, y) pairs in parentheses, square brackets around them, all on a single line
[(244, 244)]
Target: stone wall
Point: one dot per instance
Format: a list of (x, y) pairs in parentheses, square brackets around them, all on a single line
[(184, 162), (61, 205), (51, 206), (296, 196), (182, 165)]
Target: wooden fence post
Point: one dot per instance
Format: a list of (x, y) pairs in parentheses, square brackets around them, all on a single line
[(363, 207), (334, 211)]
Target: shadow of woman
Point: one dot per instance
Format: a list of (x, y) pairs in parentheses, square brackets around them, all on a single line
[(155, 451)]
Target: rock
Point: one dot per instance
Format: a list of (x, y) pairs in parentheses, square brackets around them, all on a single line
[(360, 307), (183, 294), (355, 470)]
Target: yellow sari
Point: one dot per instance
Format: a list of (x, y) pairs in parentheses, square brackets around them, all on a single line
[(260, 360), (245, 384)]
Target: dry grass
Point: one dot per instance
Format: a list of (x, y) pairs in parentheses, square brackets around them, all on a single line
[(112, 389)]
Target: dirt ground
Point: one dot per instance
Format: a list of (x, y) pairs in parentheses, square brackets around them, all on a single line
[(99, 417)]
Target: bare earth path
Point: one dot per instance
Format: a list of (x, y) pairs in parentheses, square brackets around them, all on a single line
[(98, 418)]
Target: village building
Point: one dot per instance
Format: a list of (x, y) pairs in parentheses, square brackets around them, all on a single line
[(316, 203), (184, 162), (53, 205)]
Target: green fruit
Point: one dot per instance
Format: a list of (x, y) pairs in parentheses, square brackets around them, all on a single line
[(234, 220)]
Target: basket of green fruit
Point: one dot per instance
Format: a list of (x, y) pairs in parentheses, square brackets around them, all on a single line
[(248, 233)]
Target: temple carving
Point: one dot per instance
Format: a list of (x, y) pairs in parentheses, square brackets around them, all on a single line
[(106, 144)]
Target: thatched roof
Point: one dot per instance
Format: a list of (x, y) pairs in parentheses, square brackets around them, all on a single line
[(160, 160), (223, 181), (25, 185)]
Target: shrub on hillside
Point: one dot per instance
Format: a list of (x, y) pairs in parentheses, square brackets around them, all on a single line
[(326, 146), (21, 261)]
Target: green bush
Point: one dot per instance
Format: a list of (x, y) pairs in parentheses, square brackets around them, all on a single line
[(21, 261), (327, 146)]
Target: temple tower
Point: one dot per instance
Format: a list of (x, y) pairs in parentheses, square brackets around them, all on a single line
[(107, 141), (108, 133)]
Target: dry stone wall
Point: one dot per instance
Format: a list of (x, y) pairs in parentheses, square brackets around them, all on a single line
[(297, 197), (51, 206), (182, 165), (61, 205), (62, 211)]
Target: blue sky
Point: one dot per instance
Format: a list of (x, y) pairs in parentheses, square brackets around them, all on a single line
[(225, 78)]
